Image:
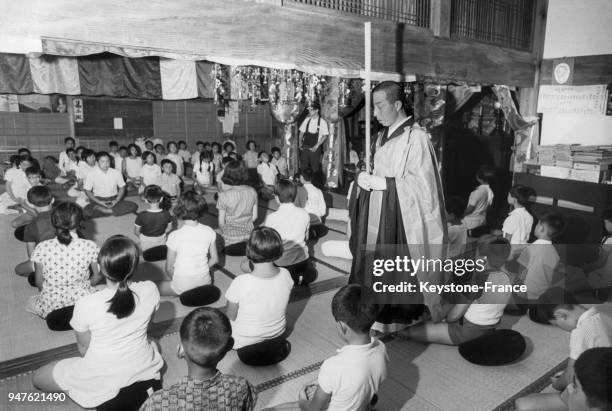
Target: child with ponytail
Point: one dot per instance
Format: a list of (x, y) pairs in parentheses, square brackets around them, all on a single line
[(111, 332), (62, 268)]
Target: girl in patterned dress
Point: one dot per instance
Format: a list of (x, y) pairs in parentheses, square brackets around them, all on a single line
[(62, 264)]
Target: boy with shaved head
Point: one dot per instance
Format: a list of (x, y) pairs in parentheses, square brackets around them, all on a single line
[(206, 336)]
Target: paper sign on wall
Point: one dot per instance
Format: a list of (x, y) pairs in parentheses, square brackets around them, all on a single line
[(118, 121), (586, 100), (77, 107)]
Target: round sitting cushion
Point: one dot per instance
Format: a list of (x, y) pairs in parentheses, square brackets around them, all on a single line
[(500, 347)]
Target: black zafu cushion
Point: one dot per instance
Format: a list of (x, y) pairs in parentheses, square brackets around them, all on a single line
[(499, 347), (131, 397), (199, 296), (59, 320), (265, 353)]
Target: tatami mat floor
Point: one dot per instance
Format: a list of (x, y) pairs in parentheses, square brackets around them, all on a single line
[(420, 377)]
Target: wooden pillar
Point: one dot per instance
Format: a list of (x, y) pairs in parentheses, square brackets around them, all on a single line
[(528, 97), (440, 18)]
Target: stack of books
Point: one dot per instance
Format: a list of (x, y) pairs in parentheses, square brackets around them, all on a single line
[(576, 162)]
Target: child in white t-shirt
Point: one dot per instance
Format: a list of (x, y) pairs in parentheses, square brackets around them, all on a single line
[(191, 252), (203, 172), (174, 156), (63, 160), (280, 162), (482, 315), (132, 166), (350, 379), (16, 181), (267, 176), (540, 259), (257, 302), (111, 332), (480, 199), (517, 226), (150, 172)]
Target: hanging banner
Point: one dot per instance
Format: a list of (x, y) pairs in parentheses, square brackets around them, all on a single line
[(77, 109), (586, 100)]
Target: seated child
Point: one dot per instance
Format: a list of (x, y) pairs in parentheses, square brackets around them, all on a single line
[(517, 226), (141, 143), (588, 327), (228, 147), (113, 150), (160, 153), (184, 154), (465, 322), (540, 259), (152, 225), (280, 162), (203, 172), (479, 202), (169, 181), (295, 256), (39, 229), (217, 158), (267, 174), (17, 185), (457, 231), (191, 252), (600, 271), (120, 160), (51, 172), (315, 204), (133, 165), (350, 379), (174, 156), (257, 302), (29, 213), (86, 166), (111, 332), (150, 172), (64, 160), (195, 157), (206, 336), (62, 265), (591, 388)]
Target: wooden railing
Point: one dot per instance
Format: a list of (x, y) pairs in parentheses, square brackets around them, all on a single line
[(506, 23), (412, 12)]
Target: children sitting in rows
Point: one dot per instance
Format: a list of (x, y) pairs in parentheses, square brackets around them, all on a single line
[(588, 327), (133, 166), (600, 271), (174, 156), (169, 181), (267, 176), (203, 173), (350, 379), (517, 226), (479, 202), (457, 232), (39, 229), (206, 336), (105, 190), (473, 319), (295, 257), (192, 252), (540, 259), (62, 268), (280, 162), (153, 224), (111, 331), (257, 302), (150, 172)]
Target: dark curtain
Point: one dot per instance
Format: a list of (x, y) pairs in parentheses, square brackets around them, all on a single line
[(15, 76)]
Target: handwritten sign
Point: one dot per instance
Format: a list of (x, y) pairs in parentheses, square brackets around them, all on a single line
[(588, 100)]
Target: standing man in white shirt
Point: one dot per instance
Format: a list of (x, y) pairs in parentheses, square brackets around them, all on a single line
[(105, 188), (313, 133)]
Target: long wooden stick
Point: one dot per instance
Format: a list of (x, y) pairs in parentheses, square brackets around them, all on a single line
[(368, 88)]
